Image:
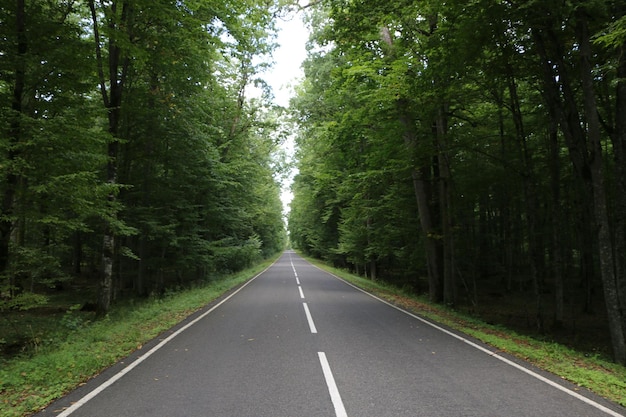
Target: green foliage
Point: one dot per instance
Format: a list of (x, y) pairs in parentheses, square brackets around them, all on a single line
[(614, 35), (72, 320), (444, 140), (21, 301), (179, 169)]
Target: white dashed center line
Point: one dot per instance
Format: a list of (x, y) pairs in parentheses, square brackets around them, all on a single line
[(340, 410), (335, 397), (309, 318)]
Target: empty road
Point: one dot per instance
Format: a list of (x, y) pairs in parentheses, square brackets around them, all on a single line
[(296, 341)]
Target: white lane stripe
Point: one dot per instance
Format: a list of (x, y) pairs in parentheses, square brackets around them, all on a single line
[(309, 318), (293, 267), (301, 293), (75, 406), (490, 353), (335, 397), (297, 281)]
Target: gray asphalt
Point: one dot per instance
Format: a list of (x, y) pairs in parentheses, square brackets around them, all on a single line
[(256, 355)]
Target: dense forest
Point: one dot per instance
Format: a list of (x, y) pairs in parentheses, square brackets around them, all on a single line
[(139, 148), (474, 151)]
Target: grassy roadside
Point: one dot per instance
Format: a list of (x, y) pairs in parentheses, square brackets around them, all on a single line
[(27, 384), (595, 373)]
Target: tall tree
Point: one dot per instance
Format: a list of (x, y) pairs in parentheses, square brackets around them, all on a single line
[(50, 149), (488, 121)]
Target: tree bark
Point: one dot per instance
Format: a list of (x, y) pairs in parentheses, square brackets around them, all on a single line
[(112, 100), (610, 278), (619, 149), (530, 198), (556, 224), (424, 197), (445, 202)]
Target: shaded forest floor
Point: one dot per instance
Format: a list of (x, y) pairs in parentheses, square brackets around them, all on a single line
[(26, 332), (586, 332)]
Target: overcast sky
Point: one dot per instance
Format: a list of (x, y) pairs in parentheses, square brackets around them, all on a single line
[(288, 57), (286, 72)]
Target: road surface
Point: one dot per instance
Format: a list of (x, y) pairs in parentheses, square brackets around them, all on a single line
[(296, 341)]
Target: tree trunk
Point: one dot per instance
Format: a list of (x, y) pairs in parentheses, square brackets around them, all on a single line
[(445, 201), (77, 254), (561, 101), (530, 199), (423, 196), (619, 149), (556, 223), (112, 100), (610, 279)]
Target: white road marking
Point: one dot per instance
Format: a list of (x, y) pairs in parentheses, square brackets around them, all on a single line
[(335, 397), (301, 293), (309, 318), (490, 353), (75, 406), (297, 281)]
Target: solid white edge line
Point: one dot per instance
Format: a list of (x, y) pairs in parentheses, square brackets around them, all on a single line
[(309, 318), (75, 406), (301, 293), (489, 352), (335, 397)]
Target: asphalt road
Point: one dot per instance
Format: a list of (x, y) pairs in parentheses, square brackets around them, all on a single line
[(296, 341)]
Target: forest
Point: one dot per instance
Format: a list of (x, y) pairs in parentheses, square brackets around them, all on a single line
[(140, 148), (473, 151)]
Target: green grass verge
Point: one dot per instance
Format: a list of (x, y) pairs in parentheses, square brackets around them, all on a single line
[(29, 383), (593, 372)]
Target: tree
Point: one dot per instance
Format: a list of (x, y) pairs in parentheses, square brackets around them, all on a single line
[(578, 117), (165, 76), (489, 101), (127, 135), (50, 150)]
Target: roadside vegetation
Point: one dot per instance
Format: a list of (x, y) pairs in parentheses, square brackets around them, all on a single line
[(69, 347), (587, 369)]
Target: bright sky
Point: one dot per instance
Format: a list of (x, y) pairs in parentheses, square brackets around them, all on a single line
[(286, 73), (288, 56)]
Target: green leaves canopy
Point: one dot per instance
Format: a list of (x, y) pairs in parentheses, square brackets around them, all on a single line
[(195, 190)]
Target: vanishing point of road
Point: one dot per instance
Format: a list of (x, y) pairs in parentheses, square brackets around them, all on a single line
[(298, 342)]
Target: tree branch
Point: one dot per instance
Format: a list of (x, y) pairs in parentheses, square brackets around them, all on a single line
[(96, 35)]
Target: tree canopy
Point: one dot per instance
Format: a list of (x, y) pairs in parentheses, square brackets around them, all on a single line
[(469, 149), (132, 153)]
